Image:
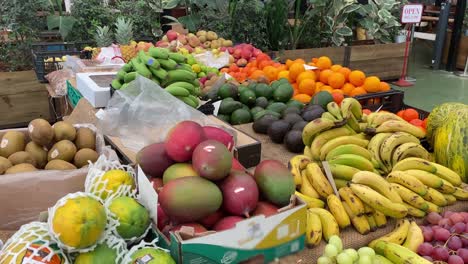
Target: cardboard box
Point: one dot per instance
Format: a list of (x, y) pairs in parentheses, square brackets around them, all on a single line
[(95, 87), (247, 150)]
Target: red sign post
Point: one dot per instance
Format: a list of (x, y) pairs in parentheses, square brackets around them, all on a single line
[(411, 14)]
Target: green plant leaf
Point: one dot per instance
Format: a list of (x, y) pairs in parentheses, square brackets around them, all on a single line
[(384, 14), (171, 4), (173, 19), (344, 31), (63, 23), (337, 41), (352, 8), (191, 22), (329, 21)]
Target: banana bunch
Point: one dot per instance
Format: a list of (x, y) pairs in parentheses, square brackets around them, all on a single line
[(408, 235), (167, 69), (387, 149), (386, 122)]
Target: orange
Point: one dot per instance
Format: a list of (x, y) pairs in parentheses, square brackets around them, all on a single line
[(338, 91), (417, 122), (319, 84), (318, 88), (336, 67), (282, 67), (357, 91), (289, 63), (314, 60), (296, 92), (261, 57), (372, 84), (326, 88), (284, 74), (295, 86), (307, 86), (305, 75), (324, 62), (303, 98), (410, 114), (301, 61), (296, 69), (224, 70), (383, 87), (345, 71), (324, 76), (366, 111), (234, 68), (337, 97), (257, 74), (271, 72), (357, 78), (264, 63), (336, 80), (317, 75), (425, 123), (347, 88)]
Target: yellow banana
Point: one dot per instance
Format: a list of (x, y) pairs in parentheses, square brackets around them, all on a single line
[(318, 180), (429, 179), (413, 211), (339, 183), (374, 148), (407, 181), (334, 109), (391, 143), (340, 141), (435, 197), (351, 106), (380, 218), (460, 194), (315, 127), (322, 138), (296, 165), (377, 183), (416, 164), (360, 223), (410, 197), (343, 172), (335, 206), (379, 259), (399, 254), (329, 116), (415, 237), (450, 199), (307, 152), (398, 126), (354, 161), (407, 150), (306, 187), (381, 117), (354, 203), (349, 148), (432, 208), (353, 123), (446, 188), (329, 225), (447, 174), (313, 229), (378, 201), (311, 202), (372, 223), (368, 210), (398, 235)]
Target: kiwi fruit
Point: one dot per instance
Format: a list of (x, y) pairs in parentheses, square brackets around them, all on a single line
[(12, 141), (41, 132), (83, 155), (22, 157), (38, 152), (23, 167), (59, 165), (85, 138), (64, 130), (63, 150), (5, 164)]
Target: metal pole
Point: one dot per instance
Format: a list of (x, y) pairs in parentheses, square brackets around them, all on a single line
[(456, 35), (440, 35)]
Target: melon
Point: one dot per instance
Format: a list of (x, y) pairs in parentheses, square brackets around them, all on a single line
[(447, 132)]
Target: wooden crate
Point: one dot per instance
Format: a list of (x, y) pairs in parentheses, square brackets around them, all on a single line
[(336, 54), (382, 60), (22, 99)]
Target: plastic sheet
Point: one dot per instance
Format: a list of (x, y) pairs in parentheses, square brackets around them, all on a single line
[(208, 58), (143, 113)]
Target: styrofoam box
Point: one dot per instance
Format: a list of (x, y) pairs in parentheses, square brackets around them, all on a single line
[(95, 86)]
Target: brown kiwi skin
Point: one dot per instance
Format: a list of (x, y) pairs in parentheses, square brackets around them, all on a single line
[(83, 155), (23, 167), (22, 157), (85, 138), (59, 165), (38, 152), (64, 130), (64, 150), (5, 164), (41, 132), (11, 142)]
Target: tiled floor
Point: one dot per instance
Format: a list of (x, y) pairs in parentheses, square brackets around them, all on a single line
[(432, 87)]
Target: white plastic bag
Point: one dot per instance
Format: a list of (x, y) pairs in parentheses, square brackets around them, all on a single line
[(208, 58)]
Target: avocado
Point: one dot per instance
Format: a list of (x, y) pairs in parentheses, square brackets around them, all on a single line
[(283, 93), (245, 107), (277, 130), (322, 98), (299, 125), (255, 110), (241, 88), (293, 141), (229, 106), (290, 110), (264, 90), (225, 118), (247, 97), (293, 118), (228, 90), (311, 107), (241, 116), (277, 107), (262, 102), (261, 125), (265, 112), (252, 86), (313, 114), (295, 103)]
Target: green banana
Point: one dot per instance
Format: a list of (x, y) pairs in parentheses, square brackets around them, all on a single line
[(148, 60), (334, 109), (168, 64), (343, 172), (116, 84), (323, 137), (184, 67), (188, 101), (177, 57), (158, 53), (130, 77), (160, 73), (188, 86), (128, 67), (340, 141), (353, 161), (177, 91)]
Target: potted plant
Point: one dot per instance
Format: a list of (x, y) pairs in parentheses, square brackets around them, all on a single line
[(58, 20)]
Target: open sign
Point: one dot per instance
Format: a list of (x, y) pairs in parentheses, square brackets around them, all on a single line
[(411, 13)]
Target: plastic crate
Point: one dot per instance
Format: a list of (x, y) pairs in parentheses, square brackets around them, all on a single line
[(73, 94), (422, 114), (45, 57), (391, 101)]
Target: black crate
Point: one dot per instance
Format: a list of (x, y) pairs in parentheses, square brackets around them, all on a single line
[(44, 57), (391, 101), (422, 114)]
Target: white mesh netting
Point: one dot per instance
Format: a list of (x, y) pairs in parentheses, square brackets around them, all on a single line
[(97, 185), (128, 258), (117, 244), (111, 224), (32, 244)]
